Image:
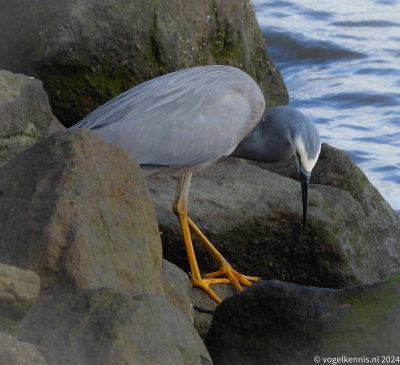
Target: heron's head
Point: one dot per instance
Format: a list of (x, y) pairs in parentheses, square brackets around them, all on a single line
[(282, 133), (307, 146), (293, 133)]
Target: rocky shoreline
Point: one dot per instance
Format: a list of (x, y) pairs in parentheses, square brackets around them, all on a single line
[(76, 212), (92, 264)]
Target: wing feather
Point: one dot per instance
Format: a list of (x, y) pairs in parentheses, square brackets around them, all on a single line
[(183, 118)]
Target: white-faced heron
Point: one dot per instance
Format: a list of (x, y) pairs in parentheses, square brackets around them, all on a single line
[(184, 121)]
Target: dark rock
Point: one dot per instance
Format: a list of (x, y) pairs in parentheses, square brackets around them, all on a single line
[(280, 323), (202, 319), (254, 217), (102, 327), (25, 114), (87, 52), (335, 168), (75, 210), (14, 352), (18, 291)]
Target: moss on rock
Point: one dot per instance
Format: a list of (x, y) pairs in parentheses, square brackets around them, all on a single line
[(359, 321), (88, 52)]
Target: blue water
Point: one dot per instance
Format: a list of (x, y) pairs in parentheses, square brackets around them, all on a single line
[(341, 64)]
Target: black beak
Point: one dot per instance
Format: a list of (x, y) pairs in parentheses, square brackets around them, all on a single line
[(305, 180)]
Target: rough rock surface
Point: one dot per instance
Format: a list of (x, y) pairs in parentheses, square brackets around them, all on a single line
[(18, 291), (25, 113), (177, 287), (14, 352), (280, 323), (102, 327), (87, 52), (335, 168), (75, 210), (254, 217)]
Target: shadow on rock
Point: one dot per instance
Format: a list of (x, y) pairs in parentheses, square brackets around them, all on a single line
[(280, 323)]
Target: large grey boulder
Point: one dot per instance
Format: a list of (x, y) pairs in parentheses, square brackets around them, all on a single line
[(281, 323), (14, 352), (103, 327), (75, 210), (18, 291), (25, 114), (87, 52), (254, 217)]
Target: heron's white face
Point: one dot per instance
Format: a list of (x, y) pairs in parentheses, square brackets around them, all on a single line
[(307, 162)]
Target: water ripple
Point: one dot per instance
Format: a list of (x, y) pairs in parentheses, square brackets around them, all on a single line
[(340, 63), (359, 100), (388, 139), (289, 46), (355, 127), (366, 24), (358, 156)]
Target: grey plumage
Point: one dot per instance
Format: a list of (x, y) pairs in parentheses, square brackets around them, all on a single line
[(186, 118), (275, 138)]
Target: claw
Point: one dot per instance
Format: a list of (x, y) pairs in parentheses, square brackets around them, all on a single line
[(233, 277)]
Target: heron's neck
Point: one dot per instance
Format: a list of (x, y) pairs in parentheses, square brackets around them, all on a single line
[(265, 143)]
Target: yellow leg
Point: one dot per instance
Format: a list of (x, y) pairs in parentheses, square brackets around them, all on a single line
[(233, 277)]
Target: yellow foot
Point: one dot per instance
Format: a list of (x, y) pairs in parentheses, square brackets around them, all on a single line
[(233, 277), (187, 225)]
